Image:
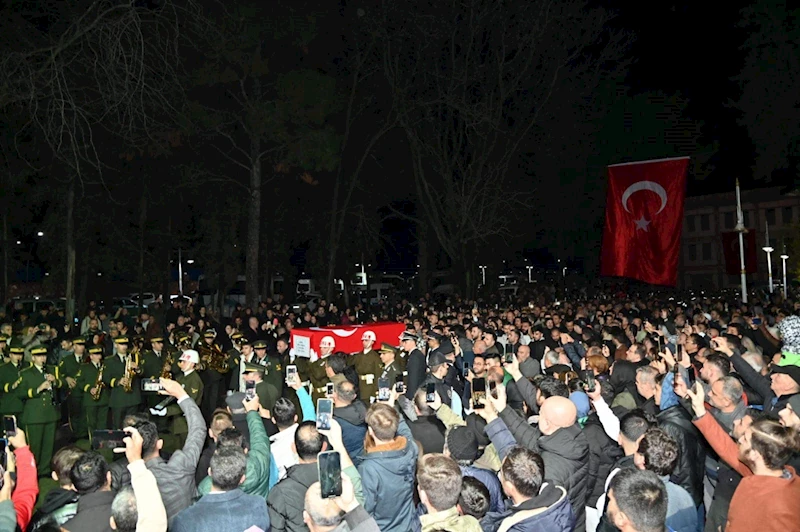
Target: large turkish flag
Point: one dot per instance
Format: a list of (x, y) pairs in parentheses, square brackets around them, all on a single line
[(644, 217)]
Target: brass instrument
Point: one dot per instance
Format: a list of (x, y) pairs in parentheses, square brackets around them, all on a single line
[(213, 358), (98, 384), (130, 371), (166, 369)]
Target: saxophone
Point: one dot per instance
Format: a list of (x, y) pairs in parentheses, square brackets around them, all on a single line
[(130, 372), (98, 384), (166, 369)]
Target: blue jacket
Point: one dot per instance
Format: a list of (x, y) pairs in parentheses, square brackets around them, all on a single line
[(231, 510), (354, 428), (549, 511), (492, 483), (387, 479)]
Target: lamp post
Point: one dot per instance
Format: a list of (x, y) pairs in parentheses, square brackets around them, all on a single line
[(740, 228), (784, 257), (768, 249), (483, 275), (530, 269)]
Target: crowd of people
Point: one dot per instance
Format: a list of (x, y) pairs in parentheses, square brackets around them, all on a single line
[(591, 414)]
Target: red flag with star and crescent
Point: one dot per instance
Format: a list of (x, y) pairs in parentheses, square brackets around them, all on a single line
[(644, 218)]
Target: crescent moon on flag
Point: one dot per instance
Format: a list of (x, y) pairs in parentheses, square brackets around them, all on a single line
[(645, 185)]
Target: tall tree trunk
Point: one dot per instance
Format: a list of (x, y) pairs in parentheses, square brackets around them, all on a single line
[(70, 237), (142, 222), (6, 243), (253, 224), (423, 254), (165, 291)]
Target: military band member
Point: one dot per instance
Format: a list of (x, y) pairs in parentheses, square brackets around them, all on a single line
[(90, 382), (212, 379), (267, 393), (10, 402), (235, 360), (69, 369), (317, 371), (40, 415), (273, 370), (237, 374), (4, 350), (193, 385), (126, 395), (367, 364)]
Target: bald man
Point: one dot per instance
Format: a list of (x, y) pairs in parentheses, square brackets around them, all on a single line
[(562, 445)]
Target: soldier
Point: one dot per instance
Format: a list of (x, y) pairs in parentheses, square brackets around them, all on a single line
[(317, 374), (212, 378), (10, 402), (273, 372), (125, 393), (69, 369), (154, 360), (391, 368), (4, 346), (267, 393), (37, 388), (367, 364), (235, 360), (416, 366), (237, 374), (193, 385), (90, 382)]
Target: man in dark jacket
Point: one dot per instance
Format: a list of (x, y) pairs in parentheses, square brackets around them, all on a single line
[(415, 365), (426, 428), (351, 413), (536, 505), (462, 446), (561, 444), (61, 503), (92, 481)]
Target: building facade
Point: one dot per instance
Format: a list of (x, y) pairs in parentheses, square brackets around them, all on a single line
[(706, 218)]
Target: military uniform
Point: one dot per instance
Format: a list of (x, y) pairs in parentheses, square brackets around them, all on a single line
[(273, 370), (95, 413), (212, 379), (193, 385), (121, 402), (368, 366), (40, 414), (70, 366), (266, 392), (10, 402), (318, 377)]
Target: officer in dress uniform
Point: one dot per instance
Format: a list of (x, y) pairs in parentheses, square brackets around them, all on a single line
[(266, 392), (122, 401), (10, 402), (37, 387), (367, 364), (193, 385), (212, 379), (69, 369), (235, 360), (317, 371), (273, 371), (391, 368), (95, 411), (416, 367), (237, 373)]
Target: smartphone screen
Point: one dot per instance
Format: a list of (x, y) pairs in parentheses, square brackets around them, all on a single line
[(291, 375), (330, 474), (509, 358), (399, 385), (329, 389), (493, 389), (3, 460), (430, 393), (249, 390), (10, 425), (151, 385), (478, 392), (324, 413), (465, 369), (383, 389), (108, 439), (756, 321)]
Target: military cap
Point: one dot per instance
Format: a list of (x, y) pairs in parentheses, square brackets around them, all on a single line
[(96, 349), (387, 348), (17, 350), (259, 344), (80, 340), (157, 339), (210, 333), (237, 336), (249, 367), (38, 351), (408, 335), (122, 340), (3, 338)]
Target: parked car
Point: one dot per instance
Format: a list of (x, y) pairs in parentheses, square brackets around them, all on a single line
[(148, 298), (310, 302)]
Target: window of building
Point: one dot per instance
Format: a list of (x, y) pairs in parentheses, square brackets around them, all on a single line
[(692, 252), (705, 222), (770, 216), (706, 251), (787, 216), (690, 224), (729, 220)]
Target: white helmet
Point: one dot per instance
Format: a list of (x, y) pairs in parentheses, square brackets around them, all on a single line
[(327, 341), (368, 336), (190, 355)]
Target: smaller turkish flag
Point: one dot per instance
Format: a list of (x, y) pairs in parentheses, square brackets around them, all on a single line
[(730, 246), (644, 218)]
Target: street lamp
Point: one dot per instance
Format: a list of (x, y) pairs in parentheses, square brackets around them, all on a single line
[(768, 249), (190, 261), (40, 233), (784, 257), (530, 269), (483, 275)]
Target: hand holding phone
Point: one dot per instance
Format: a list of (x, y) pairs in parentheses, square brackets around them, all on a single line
[(249, 390), (383, 389), (399, 385), (430, 393), (324, 414), (10, 426), (330, 474), (291, 375), (478, 393)]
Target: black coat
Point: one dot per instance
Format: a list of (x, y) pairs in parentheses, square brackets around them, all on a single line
[(94, 511), (429, 432), (603, 454), (689, 472), (416, 369)]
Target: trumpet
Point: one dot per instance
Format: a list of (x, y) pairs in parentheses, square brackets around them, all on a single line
[(98, 384)]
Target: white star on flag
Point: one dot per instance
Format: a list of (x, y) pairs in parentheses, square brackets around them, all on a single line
[(642, 224)]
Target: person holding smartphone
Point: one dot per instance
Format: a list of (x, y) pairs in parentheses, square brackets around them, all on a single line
[(193, 385), (266, 392)]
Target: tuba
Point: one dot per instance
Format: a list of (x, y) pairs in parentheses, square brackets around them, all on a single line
[(98, 384), (212, 357)]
